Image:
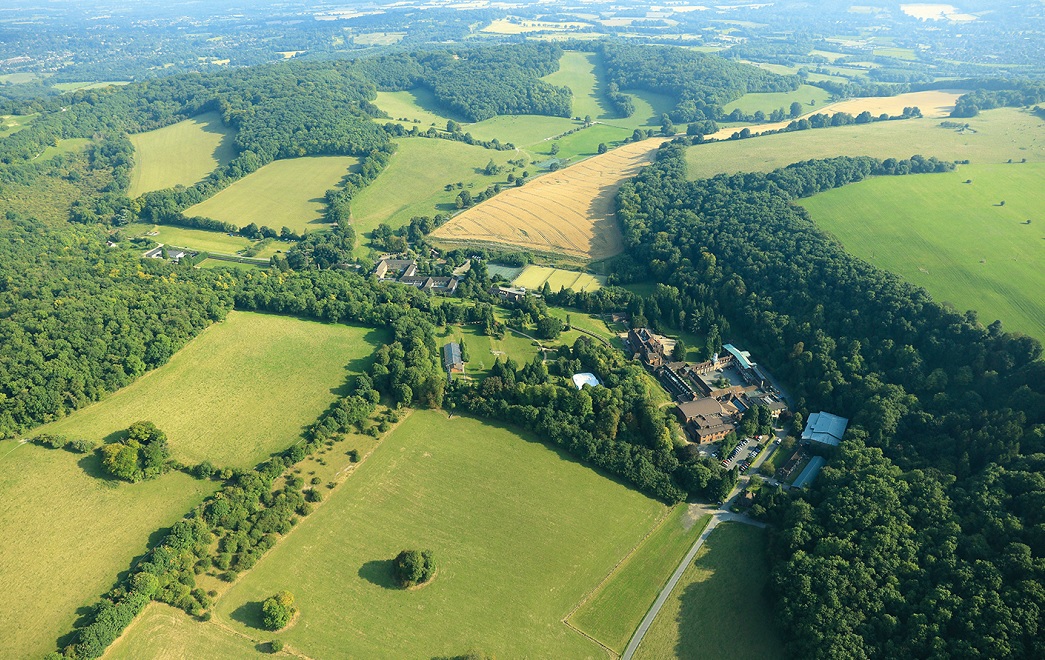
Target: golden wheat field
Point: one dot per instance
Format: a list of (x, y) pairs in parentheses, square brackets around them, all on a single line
[(569, 212)]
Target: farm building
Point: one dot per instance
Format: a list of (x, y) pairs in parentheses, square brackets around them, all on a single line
[(825, 428), (704, 420), (393, 269), (582, 379), (452, 360)]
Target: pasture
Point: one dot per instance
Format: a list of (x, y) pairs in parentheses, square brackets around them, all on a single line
[(535, 277), (484, 350), (415, 106), (523, 131), (811, 98), (414, 181), (179, 154), (210, 241), (11, 124), (995, 137), (618, 606), (69, 532), (284, 193), (162, 631), (719, 608), (952, 238), (520, 532), (68, 146), (568, 212), (243, 389)]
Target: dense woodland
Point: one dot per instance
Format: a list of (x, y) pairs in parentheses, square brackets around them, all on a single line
[(925, 537)]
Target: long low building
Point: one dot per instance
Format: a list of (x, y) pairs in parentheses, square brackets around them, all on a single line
[(809, 473)]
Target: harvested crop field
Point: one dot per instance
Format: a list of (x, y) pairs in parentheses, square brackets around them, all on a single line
[(569, 212), (535, 277)]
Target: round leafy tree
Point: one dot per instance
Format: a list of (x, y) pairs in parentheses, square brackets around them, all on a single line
[(413, 567), (277, 611), (141, 454)]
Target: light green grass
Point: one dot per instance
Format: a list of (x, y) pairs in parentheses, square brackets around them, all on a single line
[(284, 193), (210, 241), (534, 278), (241, 390), (77, 86), (591, 322), (20, 78), (416, 106), (583, 143), (164, 632), (896, 53), (484, 350), (69, 146), (520, 130), (719, 608), (810, 97), (952, 238), (618, 607), (179, 154), (583, 74), (67, 534), (1000, 135), (519, 530), (14, 123), (414, 180)]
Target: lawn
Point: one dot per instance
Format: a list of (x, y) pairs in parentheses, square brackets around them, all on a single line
[(535, 277), (179, 154), (210, 241), (164, 632), (241, 390), (414, 182), (68, 533), (617, 608), (483, 350), (810, 97), (1000, 135), (952, 237), (284, 193), (520, 532), (719, 608)]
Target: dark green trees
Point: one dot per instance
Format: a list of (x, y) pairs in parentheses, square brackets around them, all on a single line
[(277, 610), (413, 567), (141, 455)]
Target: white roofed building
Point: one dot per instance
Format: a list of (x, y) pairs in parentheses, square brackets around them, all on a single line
[(825, 428)]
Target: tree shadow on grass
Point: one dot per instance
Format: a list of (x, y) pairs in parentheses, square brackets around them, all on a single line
[(379, 572), (249, 614), (92, 466)]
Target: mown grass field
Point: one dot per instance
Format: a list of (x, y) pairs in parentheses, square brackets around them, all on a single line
[(999, 135), (617, 608), (810, 97), (584, 75), (209, 241), (524, 131), (719, 609), (241, 390), (483, 350), (179, 154), (520, 532), (14, 123), (68, 533), (414, 180), (283, 193), (535, 277), (416, 106), (952, 237), (151, 634)]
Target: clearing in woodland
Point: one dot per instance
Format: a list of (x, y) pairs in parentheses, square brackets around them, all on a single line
[(978, 245), (520, 532), (213, 242), (414, 182), (568, 212), (284, 193), (179, 154), (719, 608), (70, 531), (243, 389), (811, 98)]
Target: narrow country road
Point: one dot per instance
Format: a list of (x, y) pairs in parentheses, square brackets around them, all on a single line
[(717, 517)]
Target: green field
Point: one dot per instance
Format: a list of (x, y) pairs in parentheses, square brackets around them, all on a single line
[(810, 97), (150, 635), (14, 123), (241, 390), (719, 608), (583, 74), (68, 533), (521, 130), (1000, 135), (896, 53), (77, 86), (953, 238), (520, 531), (235, 265), (416, 106), (483, 350), (618, 607), (179, 154), (413, 183), (284, 193), (210, 241), (535, 277), (583, 143), (69, 146)]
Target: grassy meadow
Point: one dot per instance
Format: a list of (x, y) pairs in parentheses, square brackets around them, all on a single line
[(179, 154), (13, 123), (811, 98), (719, 608), (999, 135), (415, 106), (413, 183), (152, 633), (68, 146), (616, 609), (483, 350), (243, 389), (284, 193), (952, 237), (520, 532), (210, 241), (69, 532), (535, 277)]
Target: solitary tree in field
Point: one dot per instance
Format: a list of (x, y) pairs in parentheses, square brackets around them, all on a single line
[(796, 109), (277, 610), (413, 567), (603, 148)]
